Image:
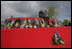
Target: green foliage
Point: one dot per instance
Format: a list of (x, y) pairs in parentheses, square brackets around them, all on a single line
[(52, 12), (65, 22)]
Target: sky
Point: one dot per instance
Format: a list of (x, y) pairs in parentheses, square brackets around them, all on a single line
[(32, 8)]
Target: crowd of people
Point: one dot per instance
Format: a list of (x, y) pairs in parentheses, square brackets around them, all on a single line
[(28, 23)]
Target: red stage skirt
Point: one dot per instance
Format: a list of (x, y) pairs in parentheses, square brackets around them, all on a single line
[(34, 37)]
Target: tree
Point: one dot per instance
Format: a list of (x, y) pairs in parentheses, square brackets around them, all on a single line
[(52, 12), (70, 23), (65, 22)]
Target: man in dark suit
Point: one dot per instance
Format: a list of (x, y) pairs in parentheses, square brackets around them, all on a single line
[(41, 13)]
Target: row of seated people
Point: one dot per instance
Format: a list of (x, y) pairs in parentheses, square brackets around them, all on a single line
[(28, 23)]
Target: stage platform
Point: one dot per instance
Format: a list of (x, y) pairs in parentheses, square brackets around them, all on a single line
[(34, 37)]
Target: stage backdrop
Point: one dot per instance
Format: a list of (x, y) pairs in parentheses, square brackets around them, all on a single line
[(34, 37)]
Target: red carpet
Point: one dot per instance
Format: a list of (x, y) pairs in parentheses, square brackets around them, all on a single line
[(34, 37)]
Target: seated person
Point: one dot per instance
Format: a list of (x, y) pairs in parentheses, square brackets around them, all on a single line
[(60, 24), (32, 21), (12, 23), (56, 25), (51, 24), (26, 25), (29, 26), (37, 25), (25, 22), (42, 21), (5, 26), (15, 21), (16, 25), (29, 21), (47, 25), (42, 24), (9, 26), (21, 20), (37, 22), (2, 26), (23, 25)]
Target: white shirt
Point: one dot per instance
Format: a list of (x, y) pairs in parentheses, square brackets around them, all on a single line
[(26, 26), (34, 26)]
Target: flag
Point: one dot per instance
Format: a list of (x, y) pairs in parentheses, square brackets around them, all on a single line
[(57, 34), (32, 21), (57, 22), (39, 20), (22, 20), (42, 24), (7, 20), (24, 25), (15, 21), (60, 22), (38, 26)]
